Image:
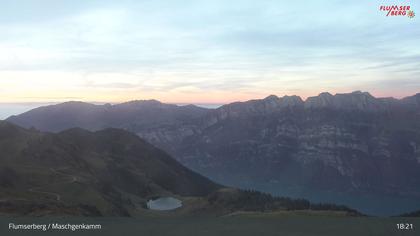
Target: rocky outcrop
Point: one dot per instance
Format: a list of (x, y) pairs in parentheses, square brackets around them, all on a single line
[(341, 142), (353, 101)]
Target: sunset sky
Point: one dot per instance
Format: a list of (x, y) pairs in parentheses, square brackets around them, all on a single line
[(203, 51)]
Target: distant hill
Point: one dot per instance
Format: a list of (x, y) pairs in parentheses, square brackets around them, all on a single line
[(342, 143), (130, 115), (106, 172), (111, 173)]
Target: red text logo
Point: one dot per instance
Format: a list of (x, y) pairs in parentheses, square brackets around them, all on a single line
[(397, 10)]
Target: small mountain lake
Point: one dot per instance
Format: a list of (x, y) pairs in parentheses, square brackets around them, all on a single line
[(164, 204)]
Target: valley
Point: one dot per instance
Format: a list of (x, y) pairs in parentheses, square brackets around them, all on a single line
[(328, 148), (113, 173)]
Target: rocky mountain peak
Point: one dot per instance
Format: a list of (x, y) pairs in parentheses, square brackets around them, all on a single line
[(271, 98), (273, 101), (291, 101), (322, 100), (357, 95), (151, 102), (412, 100), (355, 100), (269, 102)]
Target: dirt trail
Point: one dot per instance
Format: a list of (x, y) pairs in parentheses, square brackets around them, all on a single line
[(56, 195)]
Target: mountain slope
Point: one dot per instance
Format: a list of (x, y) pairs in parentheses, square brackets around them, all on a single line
[(345, 143), (109, 171), (130, 115)]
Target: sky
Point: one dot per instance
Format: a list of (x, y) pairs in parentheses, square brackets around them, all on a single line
[(212, 51)]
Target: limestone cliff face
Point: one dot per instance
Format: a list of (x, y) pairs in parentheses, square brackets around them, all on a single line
[(342, 142), (353, 101)]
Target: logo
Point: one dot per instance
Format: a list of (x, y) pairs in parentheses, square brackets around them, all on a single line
[(411, 14), (398, 10)]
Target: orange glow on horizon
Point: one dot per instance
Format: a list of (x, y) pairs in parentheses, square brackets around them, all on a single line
[(215, 97)]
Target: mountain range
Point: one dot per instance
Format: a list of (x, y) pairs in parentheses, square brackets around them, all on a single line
[(111, 173), (345, 143), (106, 172)]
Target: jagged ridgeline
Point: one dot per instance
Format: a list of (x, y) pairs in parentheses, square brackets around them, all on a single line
[(108, 172), (345, 143)]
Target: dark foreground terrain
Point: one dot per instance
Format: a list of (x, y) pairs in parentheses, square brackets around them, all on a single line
[(290, 223), (112, 173), (351, 149)]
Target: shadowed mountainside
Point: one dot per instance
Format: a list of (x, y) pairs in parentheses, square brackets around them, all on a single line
[(111, 173), (106, 172), (132, 115), (344, 143)]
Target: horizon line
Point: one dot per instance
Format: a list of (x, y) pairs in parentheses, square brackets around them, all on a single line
[(304, 98)]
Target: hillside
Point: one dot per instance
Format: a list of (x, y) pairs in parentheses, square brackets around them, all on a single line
[(130, 115), (107, 172), (345, 144), (111, 173)]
